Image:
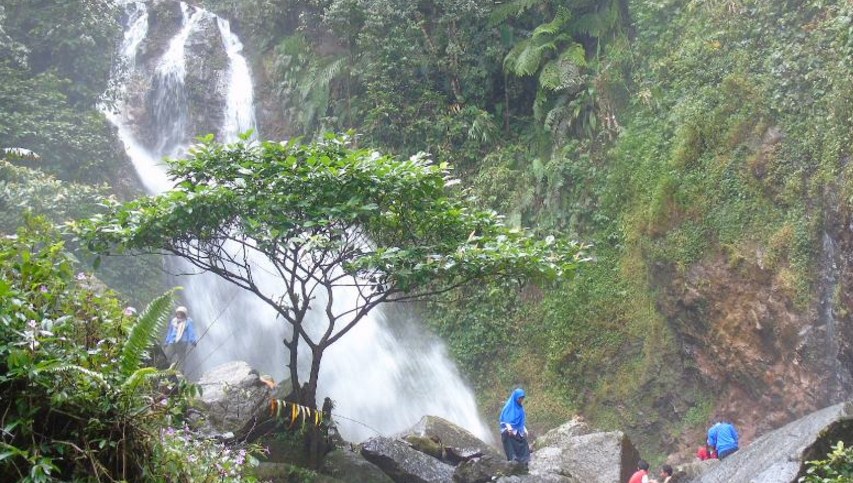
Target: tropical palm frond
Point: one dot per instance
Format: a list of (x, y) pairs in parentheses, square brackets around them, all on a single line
[(514, 8), (143, 333)]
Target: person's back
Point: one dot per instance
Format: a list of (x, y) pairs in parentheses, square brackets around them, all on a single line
[(642, 473), (724, 438)]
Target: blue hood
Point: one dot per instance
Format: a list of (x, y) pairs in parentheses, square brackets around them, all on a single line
[(513, 411)]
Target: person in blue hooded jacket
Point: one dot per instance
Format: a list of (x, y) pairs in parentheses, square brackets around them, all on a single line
[(723, 437), (513, 428), (179, 337)]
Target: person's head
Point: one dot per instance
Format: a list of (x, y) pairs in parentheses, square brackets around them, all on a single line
[(643, 465), (518, 395), (181, 312), (666, 470)]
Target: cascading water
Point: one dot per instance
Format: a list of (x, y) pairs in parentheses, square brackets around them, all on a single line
[(382, 380)]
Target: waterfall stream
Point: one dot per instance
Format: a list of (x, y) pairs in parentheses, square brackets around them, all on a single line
[(384, 374)]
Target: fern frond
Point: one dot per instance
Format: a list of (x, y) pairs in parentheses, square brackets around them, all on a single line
[(92, 375), (574, 53), (564, 72), (514, 8), (540, 104), (525, 58), (143, 333), (554, 26), (597, 23), (132, 382), (321, 76)]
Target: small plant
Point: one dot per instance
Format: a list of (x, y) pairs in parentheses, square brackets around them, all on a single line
[(836, 468), (181, 452)]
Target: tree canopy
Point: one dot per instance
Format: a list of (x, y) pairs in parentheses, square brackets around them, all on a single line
[(322, 217)]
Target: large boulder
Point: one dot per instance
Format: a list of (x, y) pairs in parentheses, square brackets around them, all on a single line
[(560, 435), (405, 464), (485, 468), (780, 455), (351, 467), (233, 397), (450, 442), (594, 458), (540, 478)]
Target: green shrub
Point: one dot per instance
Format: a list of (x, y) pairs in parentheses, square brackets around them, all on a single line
[(836, 468), (76, 402)]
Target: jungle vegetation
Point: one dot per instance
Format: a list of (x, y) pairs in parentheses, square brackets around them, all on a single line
[(663, 132)]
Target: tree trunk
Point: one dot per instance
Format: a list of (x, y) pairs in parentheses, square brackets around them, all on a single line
[(316, 441)]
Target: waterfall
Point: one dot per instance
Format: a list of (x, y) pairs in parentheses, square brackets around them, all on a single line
[(384, 374)]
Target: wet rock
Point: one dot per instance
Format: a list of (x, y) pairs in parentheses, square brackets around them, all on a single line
[(351, 467), (548, 478), (779, 456), (233, 396), (594, 457), (560, 436), (403, 463), (454, 439), (483, 469)]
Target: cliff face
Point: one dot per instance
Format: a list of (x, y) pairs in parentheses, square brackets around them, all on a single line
[(766, 358)]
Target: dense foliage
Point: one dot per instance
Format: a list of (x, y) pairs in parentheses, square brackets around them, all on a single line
[(668, 133), (324, 216), (77, 402), (55, 72)]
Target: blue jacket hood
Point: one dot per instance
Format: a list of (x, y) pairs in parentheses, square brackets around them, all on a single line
[(513, 411)]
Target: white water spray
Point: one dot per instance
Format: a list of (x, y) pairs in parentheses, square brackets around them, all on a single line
[(381, 380)]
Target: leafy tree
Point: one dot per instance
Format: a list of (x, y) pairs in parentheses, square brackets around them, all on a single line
[(324, 217), (55, 60), (72, 39), (29, 191)]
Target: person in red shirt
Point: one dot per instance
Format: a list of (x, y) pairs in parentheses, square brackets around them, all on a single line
[(642, 473), (705, 453)]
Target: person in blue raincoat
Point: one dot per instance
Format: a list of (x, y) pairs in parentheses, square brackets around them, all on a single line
[(723, 437), (180, 336), (513, 428)]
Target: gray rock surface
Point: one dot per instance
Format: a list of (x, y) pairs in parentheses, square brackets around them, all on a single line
[(450, 435), (232, 396), (779, 456), (592, 458), (405, 464), (561, 434), (351, 467), (481, 470)]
